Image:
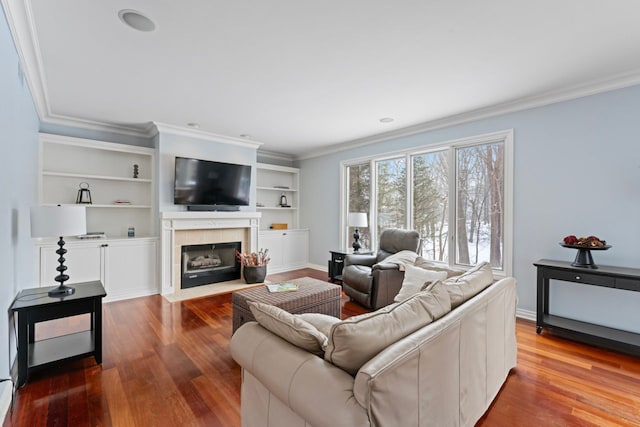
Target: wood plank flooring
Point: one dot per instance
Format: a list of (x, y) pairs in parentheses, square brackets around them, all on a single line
[(169, 364)]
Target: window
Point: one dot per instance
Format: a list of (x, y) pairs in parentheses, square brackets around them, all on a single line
[(358, 199), (457, 195)]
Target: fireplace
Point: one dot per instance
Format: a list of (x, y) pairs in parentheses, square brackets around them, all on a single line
[(209, 263)]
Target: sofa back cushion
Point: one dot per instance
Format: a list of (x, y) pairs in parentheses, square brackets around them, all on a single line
[(415, 279), (354, 341), (289, 327), (430, 265), (469, 284)]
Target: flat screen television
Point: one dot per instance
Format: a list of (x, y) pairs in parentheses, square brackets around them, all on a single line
[(208, 183)]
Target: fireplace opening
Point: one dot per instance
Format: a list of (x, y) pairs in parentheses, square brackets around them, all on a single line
[(209, 263)]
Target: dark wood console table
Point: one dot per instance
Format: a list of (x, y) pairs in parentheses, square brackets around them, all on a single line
[(34, 305), (606, 276)]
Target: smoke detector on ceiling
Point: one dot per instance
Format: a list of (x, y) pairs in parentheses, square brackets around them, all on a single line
[(136, 20)]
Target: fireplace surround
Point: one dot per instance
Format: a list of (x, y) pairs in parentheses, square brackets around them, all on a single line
[(182, 228)]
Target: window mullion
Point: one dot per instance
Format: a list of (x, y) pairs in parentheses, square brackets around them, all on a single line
[(453, 205)]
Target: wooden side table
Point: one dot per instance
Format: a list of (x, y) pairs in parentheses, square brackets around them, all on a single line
[(34, 305)]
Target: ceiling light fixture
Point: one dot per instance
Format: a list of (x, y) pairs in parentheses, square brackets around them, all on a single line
[(136, 20), (386, 119)]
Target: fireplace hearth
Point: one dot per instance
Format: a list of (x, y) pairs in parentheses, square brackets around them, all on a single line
[(209, 263)]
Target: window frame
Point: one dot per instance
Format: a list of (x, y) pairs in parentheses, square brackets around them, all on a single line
[(504, 136)]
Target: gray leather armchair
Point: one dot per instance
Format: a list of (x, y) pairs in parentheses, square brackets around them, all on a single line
[(371, 282)]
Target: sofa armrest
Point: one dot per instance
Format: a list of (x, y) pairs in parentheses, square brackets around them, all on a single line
[(354, 259), (316, 390)]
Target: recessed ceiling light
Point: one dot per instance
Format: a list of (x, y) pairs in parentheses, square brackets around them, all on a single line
[(386, 119), (193, 125), (136, 20)]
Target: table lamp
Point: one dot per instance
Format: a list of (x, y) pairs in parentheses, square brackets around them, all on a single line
[(59, 221), (357, 219)]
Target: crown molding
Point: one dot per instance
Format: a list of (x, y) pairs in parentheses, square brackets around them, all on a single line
[(207, 136), (594, 87), (275, 155)]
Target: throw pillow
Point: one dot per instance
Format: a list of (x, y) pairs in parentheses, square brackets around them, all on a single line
[(289, 327), (356, 340), (469, 284), (430, 265), (415, 279), (322, 322)]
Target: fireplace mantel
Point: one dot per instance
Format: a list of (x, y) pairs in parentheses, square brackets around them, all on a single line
[(177, 226)]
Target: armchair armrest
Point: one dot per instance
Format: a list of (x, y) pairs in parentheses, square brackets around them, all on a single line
[(355, 259), (385, 266)]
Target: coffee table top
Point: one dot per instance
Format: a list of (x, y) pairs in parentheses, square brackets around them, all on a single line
[(309, 290)]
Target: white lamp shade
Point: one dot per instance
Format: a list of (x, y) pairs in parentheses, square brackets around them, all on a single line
[(357, 219), (58, 221)]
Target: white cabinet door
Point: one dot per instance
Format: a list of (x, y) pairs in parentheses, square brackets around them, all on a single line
[(84, 263), (272, 240), (288, 249), (296, 248), (127, 268), (131, 269)]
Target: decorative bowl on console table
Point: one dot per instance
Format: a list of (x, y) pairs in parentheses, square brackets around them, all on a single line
[(584, 245)]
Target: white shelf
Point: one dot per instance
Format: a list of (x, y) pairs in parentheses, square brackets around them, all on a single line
[(277, 189), (267, 208), (102, 177)]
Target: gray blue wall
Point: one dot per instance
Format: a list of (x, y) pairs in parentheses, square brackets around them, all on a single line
[(577, 171), (18, 174)]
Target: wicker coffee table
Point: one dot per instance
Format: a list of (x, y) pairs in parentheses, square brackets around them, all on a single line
[(312, 296)]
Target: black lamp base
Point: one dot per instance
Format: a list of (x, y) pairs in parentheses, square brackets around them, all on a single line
[(61, 291), (356, 244)]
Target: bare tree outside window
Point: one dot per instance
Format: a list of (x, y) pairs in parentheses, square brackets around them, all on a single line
[(480, 204), (392, 193), (359, 191), (431, 203)]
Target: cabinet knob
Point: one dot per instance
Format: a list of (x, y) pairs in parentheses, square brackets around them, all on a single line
[(578, 277)]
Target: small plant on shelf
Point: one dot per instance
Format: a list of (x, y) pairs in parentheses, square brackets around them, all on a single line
[(253, 259)]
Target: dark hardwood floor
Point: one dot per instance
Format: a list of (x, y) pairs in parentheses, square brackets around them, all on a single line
[(169, 364)]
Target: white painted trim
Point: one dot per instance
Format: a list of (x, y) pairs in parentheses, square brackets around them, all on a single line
[(5, 398), (21, 25), (526, 314), (552, 97), (195, 133), (275, 155), (288, 169), (318, 267)]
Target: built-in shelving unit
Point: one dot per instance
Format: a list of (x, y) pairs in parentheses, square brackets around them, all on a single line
[(108, 169), (127, 267), (273, 182)]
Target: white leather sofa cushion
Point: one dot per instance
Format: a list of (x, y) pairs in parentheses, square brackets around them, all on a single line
[(415, 279), (289, 327), (352, 342), (322, 322), (469, 284), (430, 265)]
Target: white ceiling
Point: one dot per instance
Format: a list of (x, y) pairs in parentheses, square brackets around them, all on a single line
[(302, 76)]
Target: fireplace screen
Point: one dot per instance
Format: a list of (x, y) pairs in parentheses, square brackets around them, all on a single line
[(209, 263)]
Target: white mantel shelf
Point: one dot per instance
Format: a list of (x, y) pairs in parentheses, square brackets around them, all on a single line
[(180, 221)]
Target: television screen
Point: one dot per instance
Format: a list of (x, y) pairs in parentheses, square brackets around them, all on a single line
[(204, 182)]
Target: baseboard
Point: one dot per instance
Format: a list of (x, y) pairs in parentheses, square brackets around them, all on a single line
[(6, 389), (317, 267), (526, 314)]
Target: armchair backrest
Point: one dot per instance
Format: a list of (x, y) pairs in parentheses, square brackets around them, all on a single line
[(393, 240)]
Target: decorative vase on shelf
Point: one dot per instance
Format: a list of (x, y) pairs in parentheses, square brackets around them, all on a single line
[(254, 273)]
